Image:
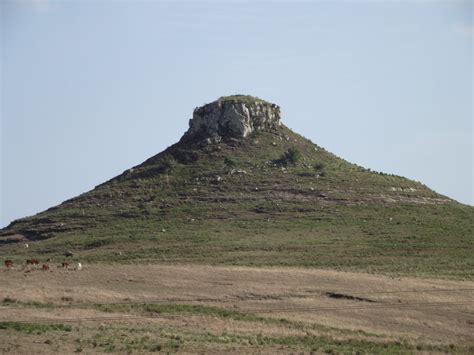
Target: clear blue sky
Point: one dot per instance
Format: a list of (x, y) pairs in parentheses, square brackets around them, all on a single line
[(91, 88)]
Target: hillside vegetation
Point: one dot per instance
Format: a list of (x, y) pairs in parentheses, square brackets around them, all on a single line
[(274, 198)]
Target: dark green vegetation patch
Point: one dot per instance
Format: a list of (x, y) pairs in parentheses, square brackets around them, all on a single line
[(243, 98), (36, 328)]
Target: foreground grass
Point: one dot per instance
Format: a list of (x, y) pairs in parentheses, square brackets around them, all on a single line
[(193, 337), (173, 327), (176, 340)]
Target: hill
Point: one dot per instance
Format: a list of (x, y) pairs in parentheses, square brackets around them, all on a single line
[(240, 188)]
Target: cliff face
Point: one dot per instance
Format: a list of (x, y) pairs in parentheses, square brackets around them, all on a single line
[(234, 117)]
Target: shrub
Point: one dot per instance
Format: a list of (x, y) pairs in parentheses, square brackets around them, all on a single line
[(185, 156), (231, 163), (319, 167), (290, 157), (293, 155), (8, 300), (167, 164)]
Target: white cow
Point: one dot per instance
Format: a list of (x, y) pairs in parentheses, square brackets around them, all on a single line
[(79, 267)]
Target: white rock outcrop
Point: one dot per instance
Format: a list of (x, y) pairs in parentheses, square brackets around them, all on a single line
[(232, 118)]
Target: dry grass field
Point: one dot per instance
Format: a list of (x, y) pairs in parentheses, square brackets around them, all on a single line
[(217, 309)]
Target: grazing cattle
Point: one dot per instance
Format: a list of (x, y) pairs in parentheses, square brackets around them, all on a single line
[(32, 262), (45, 267), (79, 267), (65, 265), (68, 254), (8, 264), (26, 245)]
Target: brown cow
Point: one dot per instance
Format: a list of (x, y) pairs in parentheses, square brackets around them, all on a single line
[(8, 264), (32, 262), (45, 267), (65, 265)]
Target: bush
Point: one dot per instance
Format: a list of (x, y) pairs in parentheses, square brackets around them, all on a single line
[(319, 167), (167, 164), (231, 163), (185, 156), (290, 157)]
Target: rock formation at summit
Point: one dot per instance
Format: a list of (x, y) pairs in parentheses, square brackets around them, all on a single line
[(232, 117)]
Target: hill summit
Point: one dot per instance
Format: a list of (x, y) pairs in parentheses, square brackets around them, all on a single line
[(241, 188), (235, 116)]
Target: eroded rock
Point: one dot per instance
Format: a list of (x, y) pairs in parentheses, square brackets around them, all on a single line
[(237, 117)]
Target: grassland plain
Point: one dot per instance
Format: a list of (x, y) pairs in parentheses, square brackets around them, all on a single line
[(216, 309)]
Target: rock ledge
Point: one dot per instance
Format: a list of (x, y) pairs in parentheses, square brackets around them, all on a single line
[(233, 117)]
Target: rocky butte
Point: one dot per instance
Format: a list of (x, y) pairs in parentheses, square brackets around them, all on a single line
[(235, 116), (242, 188)]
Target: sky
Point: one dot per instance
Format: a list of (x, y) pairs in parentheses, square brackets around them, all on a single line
[(92, 88)]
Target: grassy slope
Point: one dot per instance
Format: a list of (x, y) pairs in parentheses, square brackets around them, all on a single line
[(229, 203)]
